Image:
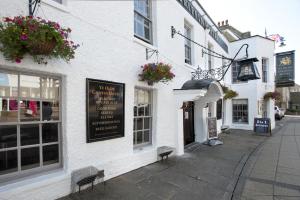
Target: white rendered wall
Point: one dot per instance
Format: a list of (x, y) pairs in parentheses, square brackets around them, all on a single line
[(252, 90), (108, 51)]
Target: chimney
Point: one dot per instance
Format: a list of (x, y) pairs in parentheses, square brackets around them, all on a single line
[(226, 22), (222, 23), (219, 24)]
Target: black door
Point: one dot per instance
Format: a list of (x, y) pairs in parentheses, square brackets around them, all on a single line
[(188, 122)]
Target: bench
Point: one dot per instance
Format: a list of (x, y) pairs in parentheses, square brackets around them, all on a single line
[(164, 152), (84, 176)]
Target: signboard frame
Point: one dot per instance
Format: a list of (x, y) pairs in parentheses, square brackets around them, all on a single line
[(262, 130), (214, 134), (285, 69), (91, 136)]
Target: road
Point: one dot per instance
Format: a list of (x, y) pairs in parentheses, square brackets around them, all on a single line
[(246, 167)]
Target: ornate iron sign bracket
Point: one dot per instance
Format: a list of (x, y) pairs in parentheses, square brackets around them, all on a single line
[(32, 6)]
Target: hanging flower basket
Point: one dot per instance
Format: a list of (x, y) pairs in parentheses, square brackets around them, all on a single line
[(272, 95), (229, 94), (153, 73), (36, 37)]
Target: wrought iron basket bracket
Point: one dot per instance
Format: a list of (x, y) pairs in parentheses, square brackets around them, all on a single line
[(150, 53), (32, 6)]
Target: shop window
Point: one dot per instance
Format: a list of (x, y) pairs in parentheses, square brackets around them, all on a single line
[(142, 129), (240, 111), (219, 109), (30, 124), (142, 20), (264, 63), (188, 44)]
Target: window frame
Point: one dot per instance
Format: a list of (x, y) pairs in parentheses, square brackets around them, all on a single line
[(149, 19), (264, 69), (209, 56), (233, 111), (11, 176), (150, 117), (188, 44)]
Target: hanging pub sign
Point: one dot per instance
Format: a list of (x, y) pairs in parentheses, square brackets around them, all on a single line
[(104, 110), (212, 127), (285, 69), (262, 125)]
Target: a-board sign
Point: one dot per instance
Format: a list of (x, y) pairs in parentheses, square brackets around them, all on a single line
[(212, 127), (262, 125), (104, 110)]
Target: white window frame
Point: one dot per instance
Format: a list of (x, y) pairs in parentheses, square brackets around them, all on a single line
[(233, 111), (188, 58), (135, 117), (42, 168), (210, 60), (147, 18), (264, 69)]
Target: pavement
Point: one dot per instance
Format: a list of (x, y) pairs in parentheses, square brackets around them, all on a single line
[(245, 167)]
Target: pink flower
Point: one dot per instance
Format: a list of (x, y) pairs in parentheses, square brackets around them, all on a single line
[(18, 60), (23, 37)]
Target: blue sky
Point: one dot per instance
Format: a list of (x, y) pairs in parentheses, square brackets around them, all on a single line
[(277, 16)]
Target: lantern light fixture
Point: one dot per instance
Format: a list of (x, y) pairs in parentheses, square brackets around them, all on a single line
[(247, 69)]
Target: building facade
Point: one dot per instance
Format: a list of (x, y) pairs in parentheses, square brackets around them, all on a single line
[(43, 107), (250, 103)]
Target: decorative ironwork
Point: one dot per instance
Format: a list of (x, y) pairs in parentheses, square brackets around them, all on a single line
[(216, 73), (152, 51), (32, 6)]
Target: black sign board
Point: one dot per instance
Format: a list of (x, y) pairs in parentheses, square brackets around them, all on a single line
[(262, 125), (212, 127), (285, 69), (104, 110)]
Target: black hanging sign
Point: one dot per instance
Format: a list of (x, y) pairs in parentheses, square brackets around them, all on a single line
[(285, 69), (212, 127), (104, 110), (262, 125)]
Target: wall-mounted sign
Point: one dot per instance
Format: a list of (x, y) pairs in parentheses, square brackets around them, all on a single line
[(212, 127), (285, 69), (104, 110), (262, 125)]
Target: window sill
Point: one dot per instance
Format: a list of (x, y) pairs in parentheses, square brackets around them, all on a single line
[(143, 43), (36, 179), (189, 66), (56, 5), (140, 149)]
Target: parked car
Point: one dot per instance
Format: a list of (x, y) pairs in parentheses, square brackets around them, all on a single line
[(279, 113)]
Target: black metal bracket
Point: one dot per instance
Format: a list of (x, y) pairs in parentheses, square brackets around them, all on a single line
[(32, 6), (150, 53), (217, 73)]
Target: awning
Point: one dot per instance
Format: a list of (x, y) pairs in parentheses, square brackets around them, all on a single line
[(192, 90)]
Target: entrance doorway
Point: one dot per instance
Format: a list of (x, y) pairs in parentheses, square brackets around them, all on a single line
[(188, 122)]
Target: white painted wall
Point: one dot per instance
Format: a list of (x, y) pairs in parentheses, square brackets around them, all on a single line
[(252, 90), (108, 51)]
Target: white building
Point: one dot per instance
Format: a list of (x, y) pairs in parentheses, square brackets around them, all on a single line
[(38, 158), (241, 110)]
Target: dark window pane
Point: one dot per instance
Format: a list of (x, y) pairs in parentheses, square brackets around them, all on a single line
[(139, 137), (146, 123), (29, 134), (30, 158), (147, 110), (8, 136), (146, 136), (8, 161), (139, 124), (135, 111), (29, 110), (50, 133), (50, 154), (141, 111), (50, 111), (8, 110)]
